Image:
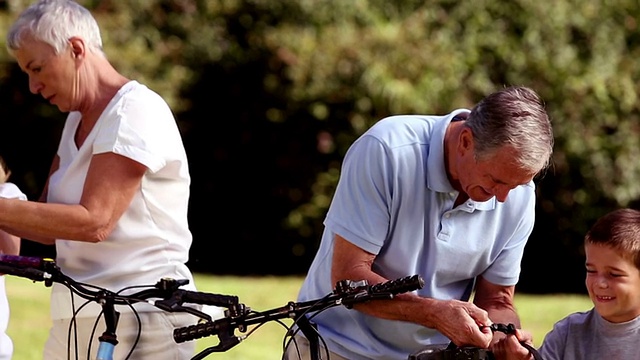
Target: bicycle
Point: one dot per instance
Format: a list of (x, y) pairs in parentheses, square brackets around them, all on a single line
[(167, 292)]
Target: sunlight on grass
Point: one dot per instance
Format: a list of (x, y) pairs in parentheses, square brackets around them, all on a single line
[(29, 322), (538, 313)]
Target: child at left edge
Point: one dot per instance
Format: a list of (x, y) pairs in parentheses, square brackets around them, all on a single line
[(9, 245)]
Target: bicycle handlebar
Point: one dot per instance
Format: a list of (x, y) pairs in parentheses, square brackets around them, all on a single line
[(346, 293), (237, 316), (165, 294), (32, 268), (32, 274), (167, 291)]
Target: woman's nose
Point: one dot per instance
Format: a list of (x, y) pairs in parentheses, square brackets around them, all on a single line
[(34, 85)]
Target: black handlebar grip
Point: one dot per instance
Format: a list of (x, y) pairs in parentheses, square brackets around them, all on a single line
[(398, 286), (198, 331), (33, 274), (196, 297), (22, 261)]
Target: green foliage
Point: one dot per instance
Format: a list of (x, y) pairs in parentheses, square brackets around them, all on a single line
[(288, 85), (443, 55)]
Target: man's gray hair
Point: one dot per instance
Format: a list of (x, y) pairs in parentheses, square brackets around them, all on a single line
[(515, 117)]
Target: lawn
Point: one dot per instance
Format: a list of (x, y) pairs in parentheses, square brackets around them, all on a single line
[(29, 321)]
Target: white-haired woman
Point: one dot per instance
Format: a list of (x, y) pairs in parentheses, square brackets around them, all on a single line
[(115, 202)]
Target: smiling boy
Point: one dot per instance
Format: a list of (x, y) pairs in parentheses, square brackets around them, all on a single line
[(611, 329)]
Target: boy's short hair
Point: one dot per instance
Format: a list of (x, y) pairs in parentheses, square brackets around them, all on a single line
[(618, 230)]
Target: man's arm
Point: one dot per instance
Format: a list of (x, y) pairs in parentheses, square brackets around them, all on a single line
[(458, 320), (497, 300)]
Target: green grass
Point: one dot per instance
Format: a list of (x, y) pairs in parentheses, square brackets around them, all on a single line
[(29, 322)]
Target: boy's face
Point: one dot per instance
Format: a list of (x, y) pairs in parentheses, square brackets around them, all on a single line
[(613, 283)]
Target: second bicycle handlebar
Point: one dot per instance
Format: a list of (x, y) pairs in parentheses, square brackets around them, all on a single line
[(346, 293)]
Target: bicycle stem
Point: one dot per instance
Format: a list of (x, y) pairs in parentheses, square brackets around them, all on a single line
[(108, 340)]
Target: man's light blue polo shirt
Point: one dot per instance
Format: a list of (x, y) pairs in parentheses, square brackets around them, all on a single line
[(394, 200)]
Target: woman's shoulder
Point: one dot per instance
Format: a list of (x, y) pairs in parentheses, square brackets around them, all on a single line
[(137, 98)]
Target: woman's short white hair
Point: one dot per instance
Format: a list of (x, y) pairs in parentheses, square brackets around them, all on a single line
[(55, 22)]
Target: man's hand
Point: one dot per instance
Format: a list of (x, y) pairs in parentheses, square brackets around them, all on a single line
[(510, 347), (463, 323)]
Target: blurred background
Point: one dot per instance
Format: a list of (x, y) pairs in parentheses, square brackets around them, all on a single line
[(269, 95)]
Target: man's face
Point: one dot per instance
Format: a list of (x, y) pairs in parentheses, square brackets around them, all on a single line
[(613, 283), (496, 175)]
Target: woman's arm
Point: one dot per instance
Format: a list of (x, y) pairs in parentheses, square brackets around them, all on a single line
[(110, 185)]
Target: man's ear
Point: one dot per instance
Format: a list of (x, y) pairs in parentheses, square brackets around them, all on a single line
[(466, 141)]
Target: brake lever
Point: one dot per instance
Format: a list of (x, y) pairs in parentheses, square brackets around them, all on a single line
[(503, 328), (173, 307)]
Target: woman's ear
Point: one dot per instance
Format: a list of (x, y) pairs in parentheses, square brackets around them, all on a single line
[(77, 47)]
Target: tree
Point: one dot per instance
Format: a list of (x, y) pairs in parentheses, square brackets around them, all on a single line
[(269, 95)]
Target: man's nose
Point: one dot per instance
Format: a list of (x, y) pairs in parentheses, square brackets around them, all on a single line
[(501, 192)]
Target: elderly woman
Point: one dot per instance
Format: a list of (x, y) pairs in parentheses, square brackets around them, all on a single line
[(115, 202)]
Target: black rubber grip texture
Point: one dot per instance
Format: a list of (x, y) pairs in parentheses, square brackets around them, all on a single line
[(198, 331), (21, 261), (398, 286), (33, 274), (196, 297)]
